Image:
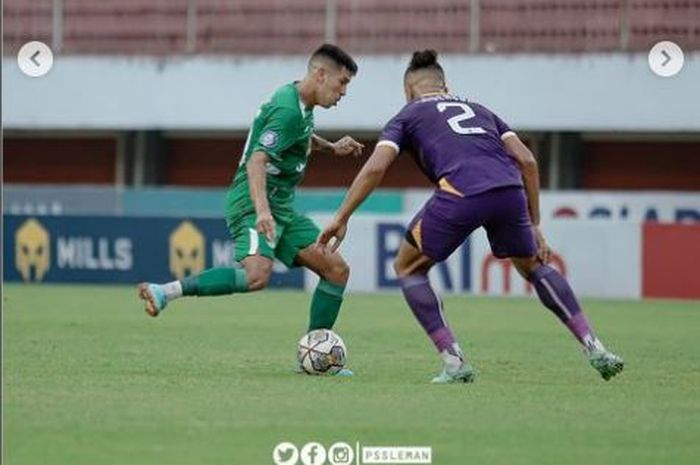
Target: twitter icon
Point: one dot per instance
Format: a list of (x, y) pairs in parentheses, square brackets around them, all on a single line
[(285, 453)]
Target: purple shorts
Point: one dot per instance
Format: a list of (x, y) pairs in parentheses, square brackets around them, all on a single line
[(446, 220)]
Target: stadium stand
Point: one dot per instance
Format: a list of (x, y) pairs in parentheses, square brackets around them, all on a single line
[(159, 27), (551, 26), (124, 26), (258, 27), (391, 27), (24, 21)]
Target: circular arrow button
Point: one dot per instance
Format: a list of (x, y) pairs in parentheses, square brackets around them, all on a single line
[(666, 59), (35, 58)]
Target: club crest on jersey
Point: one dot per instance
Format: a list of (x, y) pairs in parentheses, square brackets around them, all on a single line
[(268, 139)]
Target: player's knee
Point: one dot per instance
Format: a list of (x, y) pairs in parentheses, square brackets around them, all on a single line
[(403, 268), (258, 281), (338, 270), (258, 277), (525, 266)]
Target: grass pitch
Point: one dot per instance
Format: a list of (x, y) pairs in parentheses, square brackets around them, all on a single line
[(90, 379)]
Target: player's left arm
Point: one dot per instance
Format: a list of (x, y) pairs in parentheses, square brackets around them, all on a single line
[(531, 179), (365, 182), (340, 148)]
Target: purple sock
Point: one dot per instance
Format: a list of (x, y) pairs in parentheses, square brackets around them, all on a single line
[(427, 308), (556, 294)]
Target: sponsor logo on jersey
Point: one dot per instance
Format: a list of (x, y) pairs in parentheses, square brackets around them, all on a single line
[(186, 250), (32, 253), (268, 139), (300, 167), (272, 169)]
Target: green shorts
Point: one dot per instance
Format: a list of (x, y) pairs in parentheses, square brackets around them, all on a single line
[(290, 238)]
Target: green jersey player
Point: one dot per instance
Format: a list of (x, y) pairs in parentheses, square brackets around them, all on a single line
[(260, 213)]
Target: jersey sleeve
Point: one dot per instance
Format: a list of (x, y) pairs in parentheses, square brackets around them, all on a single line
[(504, 131), (393, 133), (279, 133)]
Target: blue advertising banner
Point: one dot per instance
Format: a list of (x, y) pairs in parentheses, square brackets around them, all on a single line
[(104, 249)]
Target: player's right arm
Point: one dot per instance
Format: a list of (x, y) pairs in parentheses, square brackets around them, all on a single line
[(265, 223), (276, 135), (365, 182), (531, 179)]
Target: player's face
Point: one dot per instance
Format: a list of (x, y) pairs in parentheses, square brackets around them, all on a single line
[(333, 84)]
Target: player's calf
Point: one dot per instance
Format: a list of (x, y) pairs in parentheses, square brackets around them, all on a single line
[(556, 294), (211, 282), (328, 295)]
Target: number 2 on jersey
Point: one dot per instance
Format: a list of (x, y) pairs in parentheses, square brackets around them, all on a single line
[(455, 121)]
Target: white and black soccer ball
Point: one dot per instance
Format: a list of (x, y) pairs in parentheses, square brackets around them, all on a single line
[(321, 351)]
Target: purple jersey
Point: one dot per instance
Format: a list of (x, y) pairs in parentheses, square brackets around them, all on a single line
[(457, 144)]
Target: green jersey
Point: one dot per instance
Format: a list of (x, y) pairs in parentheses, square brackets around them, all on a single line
[(282, 129)]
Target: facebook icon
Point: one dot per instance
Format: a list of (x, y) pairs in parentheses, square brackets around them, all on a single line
[(313, 453)]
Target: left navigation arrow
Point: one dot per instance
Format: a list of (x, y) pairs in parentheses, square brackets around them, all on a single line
[(35, 59)]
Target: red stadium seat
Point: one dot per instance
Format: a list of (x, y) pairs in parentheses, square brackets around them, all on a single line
[(362, 26), (24, 21), (381, 27), (131, 26), (677, 20), (550, 26), (259, 26)]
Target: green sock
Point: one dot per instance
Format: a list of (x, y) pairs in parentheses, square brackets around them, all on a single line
[(325, 305), (216, 281)]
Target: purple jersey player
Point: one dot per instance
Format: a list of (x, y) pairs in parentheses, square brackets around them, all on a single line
[(484, 177)]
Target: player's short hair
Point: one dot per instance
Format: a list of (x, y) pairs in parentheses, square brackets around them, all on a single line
[(337, 55), (425, 60)]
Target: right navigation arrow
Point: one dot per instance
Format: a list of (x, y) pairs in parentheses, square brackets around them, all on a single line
[(667, 56)]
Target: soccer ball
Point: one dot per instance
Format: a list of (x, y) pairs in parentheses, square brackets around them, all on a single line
[(321, 351)]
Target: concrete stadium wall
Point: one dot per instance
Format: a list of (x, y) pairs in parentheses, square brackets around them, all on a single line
[(588, 92)]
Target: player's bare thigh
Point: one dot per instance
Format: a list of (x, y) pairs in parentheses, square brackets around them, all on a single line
[(410, 260), (330, 266), (259, 270)]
